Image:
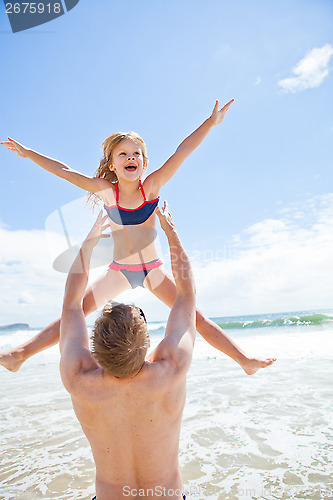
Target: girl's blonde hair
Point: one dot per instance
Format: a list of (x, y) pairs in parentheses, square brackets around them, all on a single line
[(108, 147)]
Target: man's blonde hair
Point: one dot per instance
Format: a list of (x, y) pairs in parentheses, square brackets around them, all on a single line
[(120, 339)]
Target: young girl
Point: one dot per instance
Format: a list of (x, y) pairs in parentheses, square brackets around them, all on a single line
[(130, 205)]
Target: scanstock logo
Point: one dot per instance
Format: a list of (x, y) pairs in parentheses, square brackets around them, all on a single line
[(25, 15)]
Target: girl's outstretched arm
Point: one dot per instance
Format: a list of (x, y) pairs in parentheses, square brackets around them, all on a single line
[(91, 184), (160, 176)]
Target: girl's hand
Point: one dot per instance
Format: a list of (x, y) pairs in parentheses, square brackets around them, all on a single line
[(218, 114), (15, 146), (165, 218), (96, 232)]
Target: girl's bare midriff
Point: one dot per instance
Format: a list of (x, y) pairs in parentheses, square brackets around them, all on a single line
[(134, 244)]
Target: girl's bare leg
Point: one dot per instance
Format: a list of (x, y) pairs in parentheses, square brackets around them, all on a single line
[(106, 287), (160, 283)]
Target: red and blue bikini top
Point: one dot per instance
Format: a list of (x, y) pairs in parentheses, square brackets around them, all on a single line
[(131, 216)]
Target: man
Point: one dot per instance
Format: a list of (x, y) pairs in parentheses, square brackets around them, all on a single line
[(129, 408)]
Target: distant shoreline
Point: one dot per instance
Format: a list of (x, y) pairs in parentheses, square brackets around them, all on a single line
[(319, 317), (15, 326)]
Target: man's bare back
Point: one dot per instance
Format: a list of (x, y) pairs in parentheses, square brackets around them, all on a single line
[(137, 448)]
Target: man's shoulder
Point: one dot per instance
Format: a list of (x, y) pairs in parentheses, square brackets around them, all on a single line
[(163, 373), (173, 355), (85, 383)]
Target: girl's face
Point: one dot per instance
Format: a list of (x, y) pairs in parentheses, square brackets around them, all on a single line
[(127, 160)]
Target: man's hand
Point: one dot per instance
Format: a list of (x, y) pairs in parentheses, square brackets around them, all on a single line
[(166, 221), (96, 232), (15, 146), (218, 115)]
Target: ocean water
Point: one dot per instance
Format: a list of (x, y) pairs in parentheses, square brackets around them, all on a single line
[(267, 436)]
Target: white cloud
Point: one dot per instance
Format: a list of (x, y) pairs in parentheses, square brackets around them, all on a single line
[(310, 71), (278, 264), (31, 291), (275, 265), (26, 298)]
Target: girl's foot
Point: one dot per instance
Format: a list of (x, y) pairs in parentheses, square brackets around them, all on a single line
[(252, 365), (12, 360)]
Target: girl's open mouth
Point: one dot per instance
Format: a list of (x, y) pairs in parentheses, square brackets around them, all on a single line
[(131, 168)]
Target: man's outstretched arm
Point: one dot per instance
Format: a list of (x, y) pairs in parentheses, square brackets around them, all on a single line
[(178, 342), (74, 341)]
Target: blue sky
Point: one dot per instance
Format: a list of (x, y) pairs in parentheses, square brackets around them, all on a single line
[(256, 195)]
